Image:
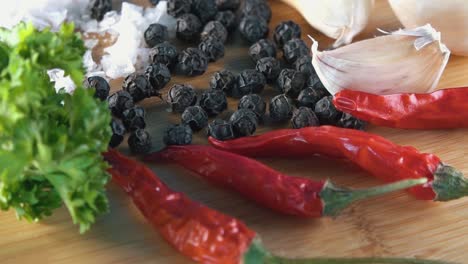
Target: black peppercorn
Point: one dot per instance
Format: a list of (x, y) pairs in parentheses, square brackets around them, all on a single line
[(261, 49), (154, 2), (285, 31), (269, 67), (249, 81), (349, 121), (192, 62), (255, 103), (281, 108), (158, 75), (138, 87), (314, 82), (228, 4), (257, 8), (134, 118), (178, 135), (119, 102), (177, 8), (244, 122), (326, 111), (214, 29), (206, 10), (220, 129), (304, 65), (253, 28), (181, 96), (224, 81), (309, 97), (155, 34), (291, 82), (118, 133), (227, 19), (294, 49), (100, 86), (195, 117), (188, 27), (304, 117), (164, 53), (212, 48), (98, 8), (213, 102), (139, 142)]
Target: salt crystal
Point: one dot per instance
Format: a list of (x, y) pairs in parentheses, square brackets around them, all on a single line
[(91, 43), (129, 51), (61, 81), (43, 13), (130, 47), (115, 69), (142, 59)]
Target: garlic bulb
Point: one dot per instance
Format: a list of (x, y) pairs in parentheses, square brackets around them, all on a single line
[(338, 19), (402, 61), (450, 17)]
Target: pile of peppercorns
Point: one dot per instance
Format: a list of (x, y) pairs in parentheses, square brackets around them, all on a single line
[(208, 23)]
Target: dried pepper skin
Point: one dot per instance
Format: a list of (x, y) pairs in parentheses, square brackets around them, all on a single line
[(192, 62), (139, 142), (442, 109), (266, 186), (178, 135), (164, 53), (198, 232), (285, 31), (252, 179), (228, 19), (138, 87), (220, 129), (214, 29), (253, 28), (100, 85), (261, 49), (118, 133), (378, 156), (212, 48), (98, 8)]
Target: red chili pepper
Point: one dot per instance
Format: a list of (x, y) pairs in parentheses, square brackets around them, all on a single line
[(268, 187), (200, 233), (375, 154), (446, 108)]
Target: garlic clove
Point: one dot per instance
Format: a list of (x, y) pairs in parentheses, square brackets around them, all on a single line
[(449, 17), (338, 19), (409, 61)]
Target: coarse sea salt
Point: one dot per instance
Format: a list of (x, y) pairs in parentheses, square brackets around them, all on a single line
[(44, 13), (61, 81), (129, 52)]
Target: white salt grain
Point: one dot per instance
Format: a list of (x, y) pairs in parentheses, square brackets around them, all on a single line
[(129, 52), (61, 81)]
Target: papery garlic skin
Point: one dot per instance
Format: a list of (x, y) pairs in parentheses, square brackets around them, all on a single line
[(338, 19), (450, 17), (404, 61)]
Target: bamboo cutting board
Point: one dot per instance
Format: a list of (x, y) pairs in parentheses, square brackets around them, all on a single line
[(395, 225)]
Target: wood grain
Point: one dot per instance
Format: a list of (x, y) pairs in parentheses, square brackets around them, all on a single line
[(391, 225)]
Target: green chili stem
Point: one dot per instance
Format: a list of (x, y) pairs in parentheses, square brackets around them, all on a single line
[(336, 199)]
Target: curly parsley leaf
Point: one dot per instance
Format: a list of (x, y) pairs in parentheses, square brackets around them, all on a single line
[(50, 143)]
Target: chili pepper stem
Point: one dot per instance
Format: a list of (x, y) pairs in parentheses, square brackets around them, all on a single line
[(449, 183), (336, 199), (257, 254)]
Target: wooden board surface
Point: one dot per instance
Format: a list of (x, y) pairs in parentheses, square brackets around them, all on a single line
[(392, 225)]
